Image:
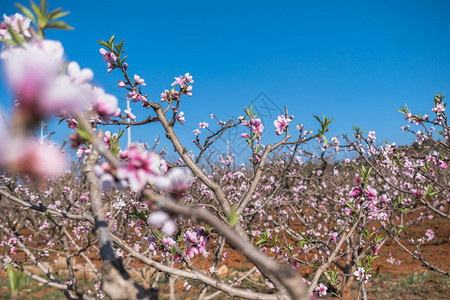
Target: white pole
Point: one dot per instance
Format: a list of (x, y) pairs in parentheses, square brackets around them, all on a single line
[(41, 140), (129, 127)]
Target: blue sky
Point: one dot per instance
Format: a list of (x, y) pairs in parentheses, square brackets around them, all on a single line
[(357, 61)]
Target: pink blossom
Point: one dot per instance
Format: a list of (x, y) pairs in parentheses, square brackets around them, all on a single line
[(31, 70), (72, 123), (226, 159), (420, 137), (356, 192), (117, 113), (192, 251), (152, 245), (107, 181), (168, 241), (123, 154), (34, 74), (164, 167), (255, 125), (429, 234), (129, 114), (188, 78), (197, 131), (196, 241), (82, 151), (168, 226), (105, 105), (176, 180), (108, 137), (121, 83), (77, 75), (180, 118), (63, 96), (321, 290), (18, 23), (181, 81), (157, 217), (359, 273), (417, 193), (438, 108), (139, 81), (370, 193), (191, 236), (188, 91), (164, 95), (281, 124), (108, 57), (382, 216), (141, 167), (187, 285), (255, 122), (203, 125), (26, 156), (134, 96), (245, 135)]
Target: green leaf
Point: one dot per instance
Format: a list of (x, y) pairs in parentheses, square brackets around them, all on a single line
[(38, 12), (247, 111), (59, 25), (123, 59), (430, 192), (57, 14), (365, 173), (103, 44), (233, 218), (26, 12), (43, 5), (119, 46), (9, 42), (11, 276), (115, 148), (121, 133), (111, 43), (261, 241), (83, 133), (318, 119), (15, 37), (15, 279)]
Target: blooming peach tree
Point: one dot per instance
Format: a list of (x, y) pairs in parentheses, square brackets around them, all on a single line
[(310, 223)]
